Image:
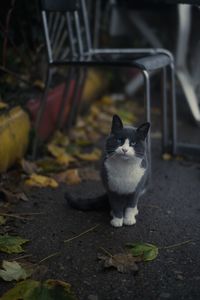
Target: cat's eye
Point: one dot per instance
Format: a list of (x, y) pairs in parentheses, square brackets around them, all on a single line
[(133, 143), (119, 140)]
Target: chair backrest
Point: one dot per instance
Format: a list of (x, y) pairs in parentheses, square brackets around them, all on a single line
[(66, 29)]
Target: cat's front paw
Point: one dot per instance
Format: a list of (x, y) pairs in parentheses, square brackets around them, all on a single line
[(130, 214), (129, 221), (117, 222)]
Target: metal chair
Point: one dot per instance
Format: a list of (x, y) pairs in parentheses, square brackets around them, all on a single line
[(68, 42)]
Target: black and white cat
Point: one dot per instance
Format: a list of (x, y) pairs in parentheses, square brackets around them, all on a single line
[(124, 173)]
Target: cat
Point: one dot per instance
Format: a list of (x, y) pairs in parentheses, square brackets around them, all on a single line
[(124, 173)]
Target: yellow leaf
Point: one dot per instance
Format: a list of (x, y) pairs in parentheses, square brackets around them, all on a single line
[(167, 156), (59, 153), (106, 100), (70, 177), (65, 159), (60, 139), (39, 83), (92, 156), (3, 105), (55, 150), (41, 181)]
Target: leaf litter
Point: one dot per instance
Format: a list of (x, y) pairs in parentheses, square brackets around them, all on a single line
[(11, 244), (46, 290), (12, 270)]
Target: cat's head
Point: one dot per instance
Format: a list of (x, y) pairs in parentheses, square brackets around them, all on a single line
[(126, 142)]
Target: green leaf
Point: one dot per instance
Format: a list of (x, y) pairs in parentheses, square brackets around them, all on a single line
[(2, 220), (11, 244), (13, 271), (32, 290), (146, 251)]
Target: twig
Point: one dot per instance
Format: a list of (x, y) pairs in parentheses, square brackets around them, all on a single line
[(49, 256), (106, 251), (77, 236), (20, 215), (14, 216), (18, 77), (22, 256), (30, 214), (177, 245), (6, 31)]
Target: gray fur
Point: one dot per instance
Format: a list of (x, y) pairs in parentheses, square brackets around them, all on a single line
[(124, 173)]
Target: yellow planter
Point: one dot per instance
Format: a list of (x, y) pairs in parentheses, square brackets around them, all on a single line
[(14, 137)]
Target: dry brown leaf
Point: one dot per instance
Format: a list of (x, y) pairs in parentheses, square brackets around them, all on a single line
[(41, 181), (123, 262), (70, 177), (12, 197), (92, 156), (28, 166)]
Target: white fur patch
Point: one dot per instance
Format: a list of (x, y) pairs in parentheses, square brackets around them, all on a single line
[(116, 222), (123, 174), (130, 214), (126, 150)]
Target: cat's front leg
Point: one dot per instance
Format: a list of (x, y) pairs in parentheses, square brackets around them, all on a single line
[(116, 222), (129, 216), (117, 208)]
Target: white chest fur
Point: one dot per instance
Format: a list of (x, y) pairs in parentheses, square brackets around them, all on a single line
[(123, 175)]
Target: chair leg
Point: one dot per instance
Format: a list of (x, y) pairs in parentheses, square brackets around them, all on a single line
[(148, 113), (165, 140), (79, 96), (75, 100), (174, 114), (40, 113), (65, 98)]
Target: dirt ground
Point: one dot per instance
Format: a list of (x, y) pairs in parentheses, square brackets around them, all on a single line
[(168, 217)]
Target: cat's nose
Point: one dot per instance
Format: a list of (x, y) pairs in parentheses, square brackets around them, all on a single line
[(124, 150)]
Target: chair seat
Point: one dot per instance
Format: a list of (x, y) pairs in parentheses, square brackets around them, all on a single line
[(148, 63)]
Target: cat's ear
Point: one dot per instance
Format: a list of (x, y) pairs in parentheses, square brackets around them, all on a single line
[(142, 131), (116, 124)]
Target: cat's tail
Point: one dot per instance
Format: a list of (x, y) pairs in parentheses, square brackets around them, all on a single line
[(80, 203)]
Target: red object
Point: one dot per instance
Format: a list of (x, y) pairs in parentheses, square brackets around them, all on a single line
[(52, 109)]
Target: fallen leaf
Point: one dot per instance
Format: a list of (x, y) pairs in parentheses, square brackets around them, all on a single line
[(55, 150), (60, 154), (127, 116), (123, 262), (47, 290), (12, 197), (70, 177), (89, 174), (3, 105), (92, 156), (2, 220), (65, 159), (11, 244), (28, 166), (146, 251), (41, 181), (48, 165), (39, 84), (167, 156), (13, 271), (60, 139)]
